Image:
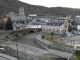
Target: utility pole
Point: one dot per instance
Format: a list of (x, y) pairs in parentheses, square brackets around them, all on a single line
[(17, 51)]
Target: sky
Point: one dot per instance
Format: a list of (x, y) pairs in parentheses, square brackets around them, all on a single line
[(55, 3)]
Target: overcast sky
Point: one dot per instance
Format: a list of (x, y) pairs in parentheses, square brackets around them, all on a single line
[(54, 3)]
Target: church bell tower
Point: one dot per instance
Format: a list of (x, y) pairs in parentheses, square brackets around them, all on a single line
[(21, 11)]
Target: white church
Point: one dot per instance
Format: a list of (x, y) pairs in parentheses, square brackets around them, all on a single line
[(19, 19)]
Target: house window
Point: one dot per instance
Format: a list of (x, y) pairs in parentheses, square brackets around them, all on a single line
[(57, 31), (20, 18)]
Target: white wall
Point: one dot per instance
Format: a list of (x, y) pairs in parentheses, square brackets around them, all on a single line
[(78, 27), (34, 26)]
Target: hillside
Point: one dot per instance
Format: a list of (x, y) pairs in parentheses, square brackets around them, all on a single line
[(13, 5)]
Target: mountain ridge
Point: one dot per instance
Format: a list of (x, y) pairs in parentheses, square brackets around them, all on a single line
[(13, 5)]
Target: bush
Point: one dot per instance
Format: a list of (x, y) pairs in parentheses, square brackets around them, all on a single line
[(77, 52), (24, 33), (43, 36)]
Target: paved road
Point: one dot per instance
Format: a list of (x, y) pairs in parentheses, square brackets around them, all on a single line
[(1, 58), (62, 53), (6, 57), (25, 44), (28, 40), (25, 48)]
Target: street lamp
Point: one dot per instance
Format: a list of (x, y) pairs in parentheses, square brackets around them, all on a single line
[(73, 44), (17, 51)]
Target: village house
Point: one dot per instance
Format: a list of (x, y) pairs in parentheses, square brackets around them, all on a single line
[(57, 27), (53, 27), (77, 19), (76, 23)]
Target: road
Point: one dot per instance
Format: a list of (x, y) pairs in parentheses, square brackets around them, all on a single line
[(1, 58), (32, 51), (6, 57), (28, 40), (27, 45), (63, 52)]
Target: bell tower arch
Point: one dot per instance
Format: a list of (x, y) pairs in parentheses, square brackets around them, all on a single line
[(21, 11)]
